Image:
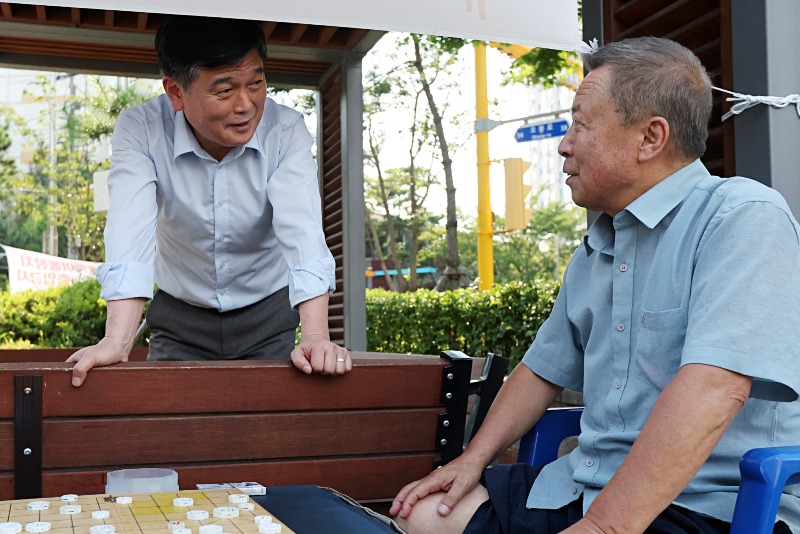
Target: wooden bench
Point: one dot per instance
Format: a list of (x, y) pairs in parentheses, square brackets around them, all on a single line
[(388, 422)]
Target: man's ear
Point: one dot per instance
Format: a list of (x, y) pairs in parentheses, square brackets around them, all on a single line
[(174, 92), (655, 136)]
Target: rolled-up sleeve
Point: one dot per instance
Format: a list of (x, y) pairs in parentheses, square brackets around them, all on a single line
[(131, 225), (293, 190)]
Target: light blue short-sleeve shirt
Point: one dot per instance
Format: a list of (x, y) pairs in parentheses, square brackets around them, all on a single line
[(701, 270), (216, 234)]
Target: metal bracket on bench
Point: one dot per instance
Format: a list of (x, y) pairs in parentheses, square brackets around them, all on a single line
[(27, 436), (455, 393), (485, 390)]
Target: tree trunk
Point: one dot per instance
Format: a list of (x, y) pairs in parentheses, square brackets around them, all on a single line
[(401, 281), (452, 272), (378, 250), (412, 198)]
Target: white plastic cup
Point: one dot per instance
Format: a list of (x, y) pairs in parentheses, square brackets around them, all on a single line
[(144, 480)]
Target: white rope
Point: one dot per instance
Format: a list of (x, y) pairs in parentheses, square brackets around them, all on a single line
[(744, 102)]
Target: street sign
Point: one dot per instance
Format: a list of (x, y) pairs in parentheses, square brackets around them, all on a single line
[(544, 130)]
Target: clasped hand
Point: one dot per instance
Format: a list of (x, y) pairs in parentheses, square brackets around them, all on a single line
[(318, 355)]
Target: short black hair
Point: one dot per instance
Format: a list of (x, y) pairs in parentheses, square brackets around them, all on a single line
[(186, 44)]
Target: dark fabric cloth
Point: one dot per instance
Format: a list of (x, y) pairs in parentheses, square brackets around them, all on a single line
[(314, 510), (505, 511), (264, 330)]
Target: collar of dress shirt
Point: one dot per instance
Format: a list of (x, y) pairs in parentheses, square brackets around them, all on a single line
[(649, 209), (659, 200)]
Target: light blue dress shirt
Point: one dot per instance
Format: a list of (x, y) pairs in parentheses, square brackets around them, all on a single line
[(699, 269), (216, 234)]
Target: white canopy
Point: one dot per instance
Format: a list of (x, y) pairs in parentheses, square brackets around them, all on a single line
[(542, 23)]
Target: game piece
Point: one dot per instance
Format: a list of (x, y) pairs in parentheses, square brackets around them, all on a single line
[(263, 519), (10, 528), (248, 506), (197, 515), (210, 529), (123, 500), (269, 528), (249, 488), (183, 501), (226, 512), (70, 497), (238, 498), (173, 525), (38, 505), (102, 529), (70, 509), (183, 530), (100, 514), (38, 526)]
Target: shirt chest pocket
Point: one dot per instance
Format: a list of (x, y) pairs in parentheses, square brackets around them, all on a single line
[(659, 345)]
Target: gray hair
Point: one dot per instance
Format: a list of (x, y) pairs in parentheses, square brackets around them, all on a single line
[(651, 77)]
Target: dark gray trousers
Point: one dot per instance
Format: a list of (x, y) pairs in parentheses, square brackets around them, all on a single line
[(264, 330)]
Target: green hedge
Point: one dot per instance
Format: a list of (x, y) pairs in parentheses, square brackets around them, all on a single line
[(503, 320), (69, 316)]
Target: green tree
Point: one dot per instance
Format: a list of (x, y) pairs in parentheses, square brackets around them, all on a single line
[(538, 67), (8, 168), (20, 232), (438, 54), (58, 188), (380, 193), (539, 252), (432, 60), (546, 68), (14, 231), (395, 198), (434, 250), (543, 248)]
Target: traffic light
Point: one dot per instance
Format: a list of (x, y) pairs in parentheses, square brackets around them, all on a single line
[(517, 212)]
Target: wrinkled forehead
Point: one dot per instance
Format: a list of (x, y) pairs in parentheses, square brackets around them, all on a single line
[(594, 89)]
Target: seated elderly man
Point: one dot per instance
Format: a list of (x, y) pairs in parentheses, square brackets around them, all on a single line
[(678, 319)]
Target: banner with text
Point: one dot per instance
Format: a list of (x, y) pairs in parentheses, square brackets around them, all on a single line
[(34, 270)]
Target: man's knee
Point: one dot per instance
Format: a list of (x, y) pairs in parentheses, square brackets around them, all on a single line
[(425, 518)]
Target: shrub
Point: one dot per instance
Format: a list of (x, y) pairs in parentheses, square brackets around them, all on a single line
[(68, 316), (503, 320)]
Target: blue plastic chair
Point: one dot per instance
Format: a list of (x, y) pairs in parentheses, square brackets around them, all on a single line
[(765, 472)]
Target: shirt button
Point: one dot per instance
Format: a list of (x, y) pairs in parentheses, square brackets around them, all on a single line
[(574, 491), (623, 267), (220, 238), (589, 462), (222, 265), (221, 203), (621, 327), (617, 384)]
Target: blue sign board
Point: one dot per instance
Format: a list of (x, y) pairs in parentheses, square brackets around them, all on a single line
[(545, 130)]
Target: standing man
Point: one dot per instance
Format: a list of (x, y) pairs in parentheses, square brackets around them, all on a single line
[(677, 319), (215, 198)]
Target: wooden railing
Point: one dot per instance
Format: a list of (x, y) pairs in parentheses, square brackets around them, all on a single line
[(388, 422)]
